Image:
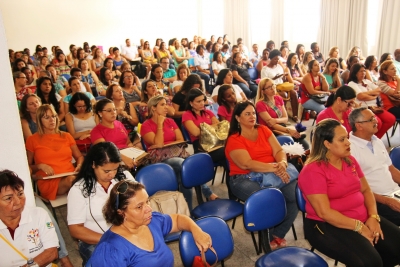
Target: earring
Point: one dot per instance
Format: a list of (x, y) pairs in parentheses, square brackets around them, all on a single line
[(238, 125)]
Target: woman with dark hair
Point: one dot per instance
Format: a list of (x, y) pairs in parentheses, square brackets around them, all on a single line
[(18, 64), (126, 112), (50, 152), (136, 230), (295, 71), (25, 227), (147, 54), (279, 74), (339, 105), (194, 115), (314, 83), (264, 61), (47, 94), (75, 86), (130, 85), (62, 66), (331, 74), (226, 100), (371, 65), (80, 54), (157, 45), (270, 45), (182, 72), (118, 59), (60, 83), (179, 99), (109, 64), (226, 77), (106, 79), (98, 61), (157, 76), (111, 130), (217, 64), (341, 216), (368, 96), (80, 119), (284, 54), (89, 76), (29, 106), (30, 80), (384, 57), (241, 77), (346, 73), (226, 40), (389, 83), (253, 151), (99, 173), (300, 51)]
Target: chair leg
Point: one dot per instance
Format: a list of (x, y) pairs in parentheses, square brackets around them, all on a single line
[(233, 223), (223, 176), (54, 213), (388, 139), (394, 128), (254, 242), (222, 263), (215, 172), (265, 241), (336, 262), (294, 232)]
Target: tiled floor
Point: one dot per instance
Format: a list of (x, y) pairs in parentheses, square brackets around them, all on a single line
[(244, 254)]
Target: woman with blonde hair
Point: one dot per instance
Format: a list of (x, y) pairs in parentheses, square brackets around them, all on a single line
[(334, 53), (180, 54), (331, 74), (356, 51), (182, 72), (308, 56), (50, 152)]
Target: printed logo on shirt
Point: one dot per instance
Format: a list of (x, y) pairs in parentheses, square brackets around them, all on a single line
[(353, 170), (49, 225), (33, 237)]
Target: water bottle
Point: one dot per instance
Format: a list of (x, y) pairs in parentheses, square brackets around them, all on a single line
[(31, 263)]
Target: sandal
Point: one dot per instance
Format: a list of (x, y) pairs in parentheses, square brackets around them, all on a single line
[(273, 244), (280, 241), (295, 119)]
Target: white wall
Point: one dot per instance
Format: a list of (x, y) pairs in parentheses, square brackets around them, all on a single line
[(12, 148)]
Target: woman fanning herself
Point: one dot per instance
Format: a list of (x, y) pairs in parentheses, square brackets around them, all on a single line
[(29, 106), (136, 237), (342, 220), (389, 83), (368, 96), (272, 112), (50, 152), (226, 101), (158, 131), (99, 173), (111, 130), (314, 83), (331, 74), (253, 151)]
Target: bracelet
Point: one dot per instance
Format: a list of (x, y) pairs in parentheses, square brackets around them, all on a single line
[(358, 227), (284, 161)]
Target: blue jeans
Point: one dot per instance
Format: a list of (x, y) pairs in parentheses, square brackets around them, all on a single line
[(176, 164), (270, 179), (242, 188), (206, 79), (86, 251), (250, 91), (312, 105), (62, 250)]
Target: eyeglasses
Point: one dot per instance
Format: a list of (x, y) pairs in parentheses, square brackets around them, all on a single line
[(370, 120), (268, 87), (121, 189), (110, 110), (49, 117), (349, 104), (84, 106), (129, 77), (21, 77)]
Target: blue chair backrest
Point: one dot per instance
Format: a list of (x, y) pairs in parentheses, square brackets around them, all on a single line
[(253, 73), (285, 139), (143, 144), (395, 156), (301, 202), (66, 76), (156, 177), (221, 236), (185, 134), (264, 209), (197, 169)]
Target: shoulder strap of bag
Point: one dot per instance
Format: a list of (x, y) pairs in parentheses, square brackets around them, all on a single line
[(12, 246), (203, 257)]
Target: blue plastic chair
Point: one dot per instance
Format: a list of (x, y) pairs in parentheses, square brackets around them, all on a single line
[(395, 156), (285, 139), (221, 236), (157, 177), (66, 76), (253, 73), (291, 257), (185, 134), (198, 169)]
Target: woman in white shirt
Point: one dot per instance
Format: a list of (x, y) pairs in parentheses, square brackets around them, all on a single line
[(368, 95), (217, 64), (100, 171)]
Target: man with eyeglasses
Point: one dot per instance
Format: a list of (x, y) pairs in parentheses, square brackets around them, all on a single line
[(169, 74), (370, 152)]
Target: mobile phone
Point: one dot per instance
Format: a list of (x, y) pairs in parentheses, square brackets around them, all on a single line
[(397, 195)]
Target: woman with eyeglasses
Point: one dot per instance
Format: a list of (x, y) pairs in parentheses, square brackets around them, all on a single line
[(80, 120), (130, 85), (100, 172), (368, 95), (111, 130), (147, 54), (339, 105), (341, 216), (272, 112), (136, 237), (50, 152)]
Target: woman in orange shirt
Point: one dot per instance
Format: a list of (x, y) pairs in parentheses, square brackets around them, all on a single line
[(256, 159), (50, 152)]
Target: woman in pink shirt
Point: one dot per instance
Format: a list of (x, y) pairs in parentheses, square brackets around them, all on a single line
[(339, 106), (341, 215)]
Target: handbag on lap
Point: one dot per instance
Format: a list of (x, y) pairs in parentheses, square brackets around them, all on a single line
[(213, 137)]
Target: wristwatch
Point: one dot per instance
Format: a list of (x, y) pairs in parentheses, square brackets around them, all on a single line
[(375, 216)]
